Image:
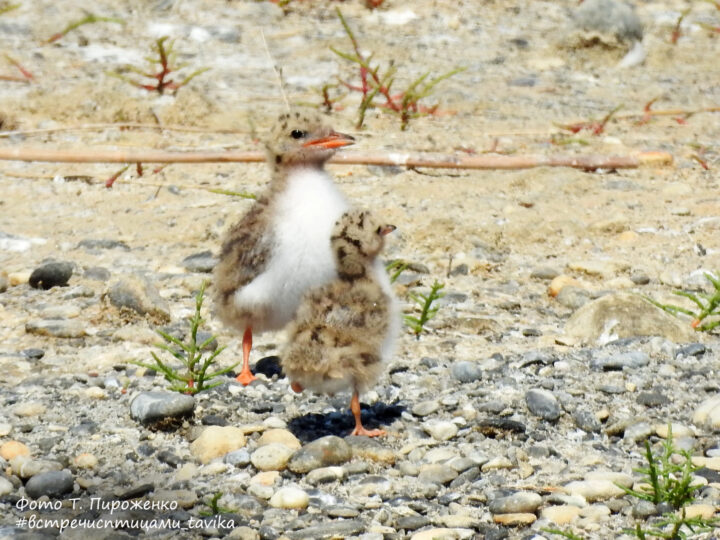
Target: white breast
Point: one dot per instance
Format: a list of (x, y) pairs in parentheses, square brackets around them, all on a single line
[(301, 259)]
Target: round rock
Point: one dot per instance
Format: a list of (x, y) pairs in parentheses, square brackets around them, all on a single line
[(290, 498), (521, 502), (150, 407), (323, 452), (466, 372), (440, 430), (138, 294), (53, 274), (216, 441), (53, 484), (543, 403), (271, 457)]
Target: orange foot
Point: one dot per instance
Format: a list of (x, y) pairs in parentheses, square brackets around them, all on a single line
[(245, 377), (359, 430)]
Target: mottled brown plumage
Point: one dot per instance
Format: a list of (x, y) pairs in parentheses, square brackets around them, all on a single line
[(278, 251), (340, 335)]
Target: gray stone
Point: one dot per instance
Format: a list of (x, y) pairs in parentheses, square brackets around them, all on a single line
[(138, 294), (52, 274), (638, 432), (323, 452), (652, 399), (62, 328), (611, 17), (54, 484), (4, 282), (329, 529), (425, 408), (411, 523), (521, 502), (203, 262), (92, 243), (573, 297), (545, 272), (98, 273), (691, 349), (153, 406), (586, 420), (237, 458), (437, 474), (644, 509), (466, 371), (543, 403), (623, 360), (622, 315)]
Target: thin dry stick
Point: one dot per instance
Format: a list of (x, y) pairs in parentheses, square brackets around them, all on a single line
[(410, 160), (126, 125)]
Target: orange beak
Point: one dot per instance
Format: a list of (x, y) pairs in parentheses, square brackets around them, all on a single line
[(387, 229), (332, 140)]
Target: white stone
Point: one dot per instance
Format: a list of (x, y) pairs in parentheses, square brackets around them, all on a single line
[(271, 457), (290, 498), (440, 430)]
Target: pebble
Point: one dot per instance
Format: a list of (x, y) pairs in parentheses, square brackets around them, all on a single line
[(560, 282), (707, 414), (623, 315), (86, 461), (560, 515), (425, 408), (271, 457), (370, 449), (203, 262), (466, 372), (521, 502), (49, 275), (594, 490), (4, 282), (216, 441), (6, 486), (691, 349), (573, 297), (372, 485), (586, 420), (545, 272), (638, 432), (679, 431), (619, 361), (322, 452), (5, 429), (280, 436), (644, 509), (333, 529), (30, 408), (443, 534), (102, 243), (148, 407), (12, 449), (53, 484), (440, 430), (323, 475), (498, 462), (515, 520), (704, 511), (238, 458), (436, 473), (612, 17), (137, 293), (27, 467), (60, 328), (543, 403), (290, 498)]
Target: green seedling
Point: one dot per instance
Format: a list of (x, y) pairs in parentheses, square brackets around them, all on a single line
[(395, 268), (708, 306), (565, 534), (668, 478), (193, 356), (161, 66), (424, 302), (595, 127), (376, 86), (90, 18), (214, 507)]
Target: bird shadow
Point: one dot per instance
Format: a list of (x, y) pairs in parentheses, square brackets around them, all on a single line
[(311, 426)]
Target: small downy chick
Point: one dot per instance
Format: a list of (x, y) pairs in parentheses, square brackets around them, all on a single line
[(344, 331), (278, 250)]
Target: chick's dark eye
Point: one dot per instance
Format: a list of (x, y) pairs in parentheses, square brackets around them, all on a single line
[(297, 134)]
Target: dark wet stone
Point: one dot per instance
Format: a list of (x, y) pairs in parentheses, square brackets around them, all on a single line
[(153, 406), (203, 262), (49, 275), (214, 420), (691, 349), (136, 492), (494, 427), (90, 243), (652, 399), (710, 474), (169, 458), (269, 366), (54, 484), (543, 403)]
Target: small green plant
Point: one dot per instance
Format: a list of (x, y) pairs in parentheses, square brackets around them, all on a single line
[(565, 534), (669, 481), (5, 7), (395, 268), (191, 354), (89, 18), (214, 507), (708, 306), (375, 85), (424, 302), (161, 66)]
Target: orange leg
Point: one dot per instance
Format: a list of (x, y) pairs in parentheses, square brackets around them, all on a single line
[(359, 429), (246, 377)]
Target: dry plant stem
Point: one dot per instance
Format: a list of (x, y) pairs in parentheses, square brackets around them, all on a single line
[(120, 126), (410, 160)]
